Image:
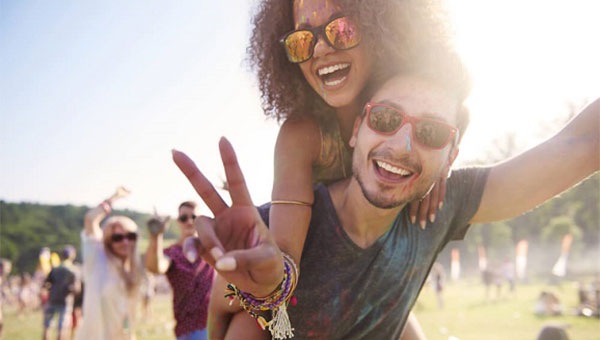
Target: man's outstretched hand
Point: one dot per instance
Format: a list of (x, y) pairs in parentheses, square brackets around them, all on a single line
[(236, 242)]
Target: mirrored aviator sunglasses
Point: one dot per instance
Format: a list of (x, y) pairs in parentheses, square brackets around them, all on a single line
[(428, 132), (340, 33), (120, 237)]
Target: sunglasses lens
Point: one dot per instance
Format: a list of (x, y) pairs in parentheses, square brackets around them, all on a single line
[(384, 119), (131, 236), (184, 218), (299, 45), (432, 134), (342, 33), (120, 237), (117, 237)]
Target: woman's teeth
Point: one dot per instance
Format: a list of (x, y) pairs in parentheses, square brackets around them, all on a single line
[(335, 82), (335, 74), (393, 169), (327, 70)]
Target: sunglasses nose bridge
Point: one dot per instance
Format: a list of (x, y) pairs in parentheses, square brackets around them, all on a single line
[(403, 137), (322, 46)]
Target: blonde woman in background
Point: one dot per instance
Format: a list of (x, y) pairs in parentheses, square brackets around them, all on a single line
[(111, 272)]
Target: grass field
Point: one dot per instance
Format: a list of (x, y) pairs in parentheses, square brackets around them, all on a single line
[(466, 315)]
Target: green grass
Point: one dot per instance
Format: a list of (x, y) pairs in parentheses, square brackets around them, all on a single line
[(466, 315), (157, 326)]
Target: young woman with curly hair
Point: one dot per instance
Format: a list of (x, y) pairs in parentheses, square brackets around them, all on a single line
[(316, 61), (319, 94)]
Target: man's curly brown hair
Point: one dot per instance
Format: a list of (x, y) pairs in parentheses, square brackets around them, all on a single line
[(401, 35)]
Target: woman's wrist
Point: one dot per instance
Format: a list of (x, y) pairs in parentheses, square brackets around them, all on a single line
[(106, 206), (266, 290)]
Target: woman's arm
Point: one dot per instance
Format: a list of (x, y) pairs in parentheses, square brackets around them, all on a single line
[(296, 150), (91, 222)]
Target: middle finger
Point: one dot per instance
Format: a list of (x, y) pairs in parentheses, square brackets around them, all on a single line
[(202, 185)]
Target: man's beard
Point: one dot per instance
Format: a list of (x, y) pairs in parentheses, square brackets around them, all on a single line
[(378, 198), (381, 202)]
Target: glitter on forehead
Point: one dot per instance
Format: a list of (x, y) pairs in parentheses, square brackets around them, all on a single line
[(315, 14)]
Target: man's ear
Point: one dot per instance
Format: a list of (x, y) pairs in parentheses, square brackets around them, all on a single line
[(452, 156), (357, 122)]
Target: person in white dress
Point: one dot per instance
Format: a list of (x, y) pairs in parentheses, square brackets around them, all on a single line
[(111, 272)]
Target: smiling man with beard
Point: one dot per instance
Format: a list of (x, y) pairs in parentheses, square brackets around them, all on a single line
[(364, 263)]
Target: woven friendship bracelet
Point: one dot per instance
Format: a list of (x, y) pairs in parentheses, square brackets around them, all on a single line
[(279, 326)]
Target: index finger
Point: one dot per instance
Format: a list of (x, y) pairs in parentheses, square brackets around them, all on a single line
[(235, 178), (202, 185)]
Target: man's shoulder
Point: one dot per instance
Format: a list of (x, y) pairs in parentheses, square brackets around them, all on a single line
[(61, 271), (463, 179), (174, 248)]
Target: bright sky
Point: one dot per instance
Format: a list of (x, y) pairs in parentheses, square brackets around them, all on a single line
[(96, 94)]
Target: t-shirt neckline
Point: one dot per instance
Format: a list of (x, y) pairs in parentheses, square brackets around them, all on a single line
[(330, 207)]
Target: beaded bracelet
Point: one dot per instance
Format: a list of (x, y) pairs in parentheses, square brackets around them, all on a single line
[(279, 326)]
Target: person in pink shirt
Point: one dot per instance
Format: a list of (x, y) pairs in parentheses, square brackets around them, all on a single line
[(190, 277)]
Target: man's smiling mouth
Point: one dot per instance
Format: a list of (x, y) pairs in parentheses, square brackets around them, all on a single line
[(391, 172)]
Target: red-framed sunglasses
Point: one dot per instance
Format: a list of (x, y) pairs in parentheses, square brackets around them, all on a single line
[(428, 132), (340, 33)]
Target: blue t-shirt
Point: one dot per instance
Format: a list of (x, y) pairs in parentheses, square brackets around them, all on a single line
[(347, 292)]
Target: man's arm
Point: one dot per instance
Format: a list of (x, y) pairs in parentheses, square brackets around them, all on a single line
[(155, 260), (520, 184)]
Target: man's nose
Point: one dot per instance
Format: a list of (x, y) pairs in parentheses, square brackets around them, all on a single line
[(322, 48), (402, 140)]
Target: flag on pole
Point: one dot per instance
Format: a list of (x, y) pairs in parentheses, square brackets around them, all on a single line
[(455, 264), (521, 259), (560, 267), (482, 258)]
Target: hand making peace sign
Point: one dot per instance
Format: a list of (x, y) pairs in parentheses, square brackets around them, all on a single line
[(236, 242)]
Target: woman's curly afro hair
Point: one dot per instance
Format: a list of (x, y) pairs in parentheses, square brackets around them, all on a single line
[(401, 35)]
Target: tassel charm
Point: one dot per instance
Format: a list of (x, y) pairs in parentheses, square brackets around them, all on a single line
[(280, 326)]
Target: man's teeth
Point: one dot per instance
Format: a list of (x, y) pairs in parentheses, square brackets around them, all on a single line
[(333, 68), (393, 169)]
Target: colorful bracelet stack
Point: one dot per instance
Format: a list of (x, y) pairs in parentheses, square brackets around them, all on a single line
[(279, 326)]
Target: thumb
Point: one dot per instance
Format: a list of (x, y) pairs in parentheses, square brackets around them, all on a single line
[(261, 257)]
